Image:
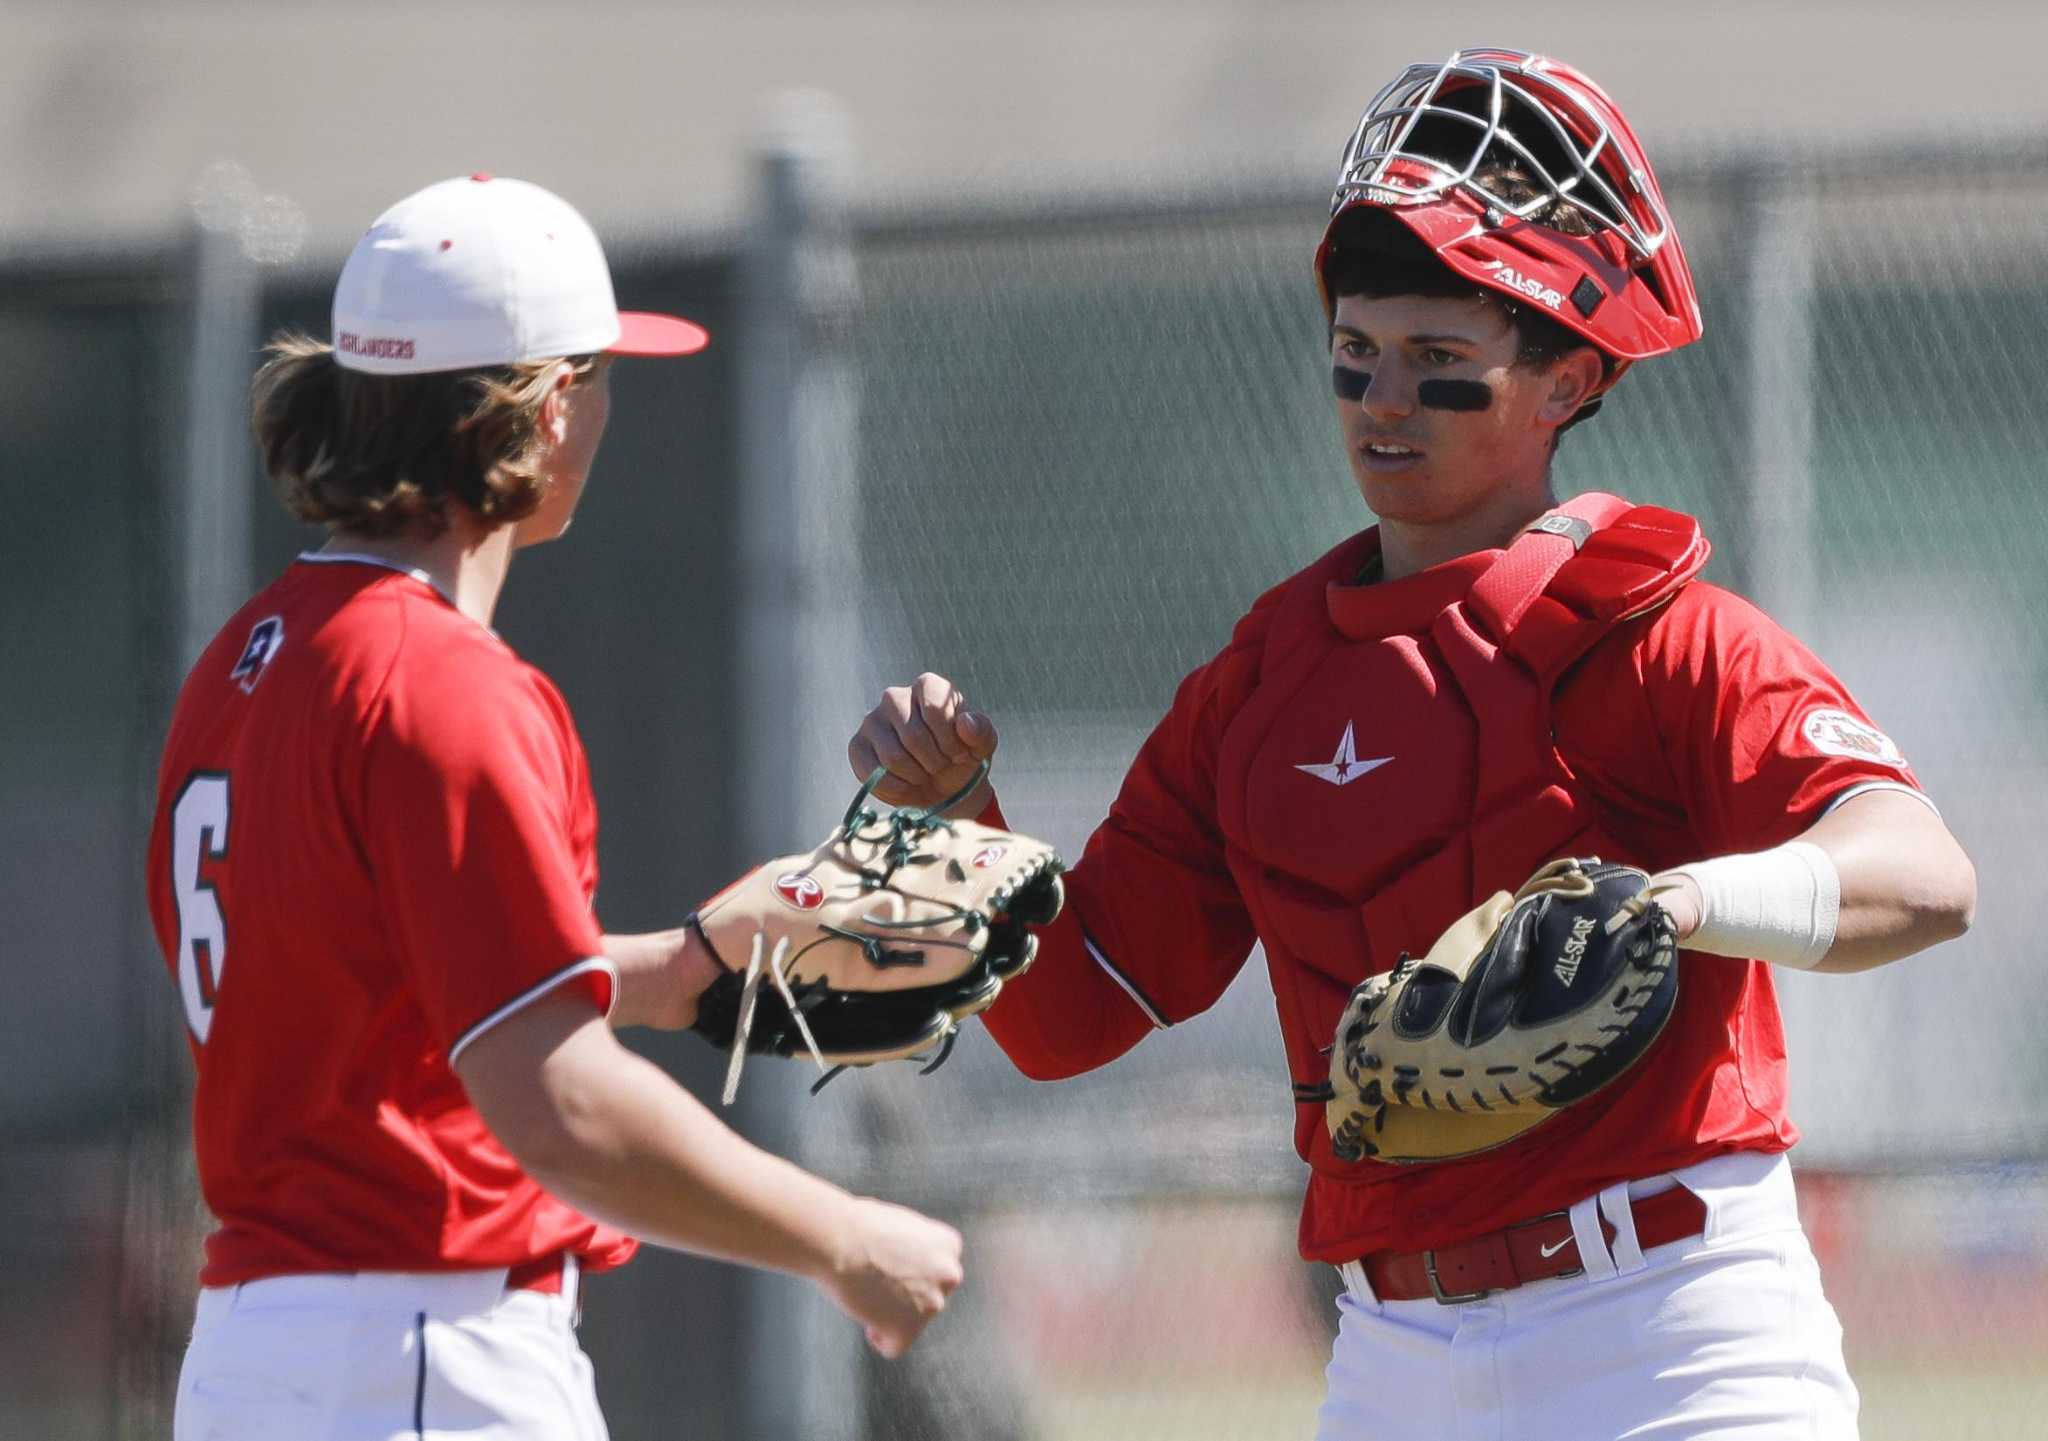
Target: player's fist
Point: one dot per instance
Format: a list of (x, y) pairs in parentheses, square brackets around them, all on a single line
[(894, 1272), (929, 741)]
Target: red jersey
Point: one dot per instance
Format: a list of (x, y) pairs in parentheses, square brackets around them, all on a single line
[(375, 838), (1328, 805)]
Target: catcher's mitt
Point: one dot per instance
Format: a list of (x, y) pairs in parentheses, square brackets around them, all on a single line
[(878, 943), (1525, 1005)]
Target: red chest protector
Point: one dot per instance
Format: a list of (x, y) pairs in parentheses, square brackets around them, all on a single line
[(1394, 763)]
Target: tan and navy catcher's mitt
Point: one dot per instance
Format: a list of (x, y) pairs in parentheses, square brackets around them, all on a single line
[(1527, 1004), (874, 946)]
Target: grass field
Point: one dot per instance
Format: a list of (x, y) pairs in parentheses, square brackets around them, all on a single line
[(1941, 1285), (1911, 1405), (1282, 1411), (1898, 1405)]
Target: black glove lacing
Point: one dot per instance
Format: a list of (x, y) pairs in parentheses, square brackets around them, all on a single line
[(898, 837)]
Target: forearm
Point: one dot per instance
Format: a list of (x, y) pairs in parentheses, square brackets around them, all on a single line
[(1906, 883), (661, 975), (645, 1156), (1065, 1015), (1883, 880), (1150, 937), (617, 1138)]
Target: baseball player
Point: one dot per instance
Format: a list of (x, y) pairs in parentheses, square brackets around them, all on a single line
[(1483, 683), (371, 873)]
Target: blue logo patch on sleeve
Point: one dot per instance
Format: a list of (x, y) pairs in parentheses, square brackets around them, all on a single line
[(266, 639)]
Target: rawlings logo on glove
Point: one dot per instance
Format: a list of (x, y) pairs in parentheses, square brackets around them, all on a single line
[(876, 945), (1527, 1004)]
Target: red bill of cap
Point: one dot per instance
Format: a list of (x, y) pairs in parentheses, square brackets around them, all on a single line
[(642, 332)]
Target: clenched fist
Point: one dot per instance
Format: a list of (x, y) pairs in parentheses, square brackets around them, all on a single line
[(895, 1274), (929, 741)]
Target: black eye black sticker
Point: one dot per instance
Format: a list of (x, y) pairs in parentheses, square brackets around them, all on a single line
[(1455, 394), (1465, 395)]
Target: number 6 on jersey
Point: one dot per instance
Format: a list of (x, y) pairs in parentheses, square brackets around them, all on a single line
[(199, 830)]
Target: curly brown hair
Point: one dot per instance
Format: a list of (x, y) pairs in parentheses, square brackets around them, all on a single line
[(378, 454)]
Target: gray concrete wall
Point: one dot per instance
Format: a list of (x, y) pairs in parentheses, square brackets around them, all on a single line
[(642, 111)]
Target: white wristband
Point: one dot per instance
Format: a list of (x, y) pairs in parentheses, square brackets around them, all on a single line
[(1779, 905)]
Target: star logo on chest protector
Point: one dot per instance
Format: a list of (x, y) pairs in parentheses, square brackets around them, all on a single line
[(1344, 767)]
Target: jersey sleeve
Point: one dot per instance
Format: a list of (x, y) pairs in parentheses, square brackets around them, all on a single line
[(1154, 929), (469, 795), (1759, 736)]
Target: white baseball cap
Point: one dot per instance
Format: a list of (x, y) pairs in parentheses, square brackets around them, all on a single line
[(482, 270)]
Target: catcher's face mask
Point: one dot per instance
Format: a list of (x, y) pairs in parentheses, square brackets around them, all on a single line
[(1420, 151)]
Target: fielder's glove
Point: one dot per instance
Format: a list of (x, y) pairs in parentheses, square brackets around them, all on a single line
[(876, 945), (1527, 1004)]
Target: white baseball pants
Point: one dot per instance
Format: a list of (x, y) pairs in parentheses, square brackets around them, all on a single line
[(386, 1356), (1722, 1336)]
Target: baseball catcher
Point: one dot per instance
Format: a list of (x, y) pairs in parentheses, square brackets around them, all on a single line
[(1528, 1003), (1478, 682), (876, 945)]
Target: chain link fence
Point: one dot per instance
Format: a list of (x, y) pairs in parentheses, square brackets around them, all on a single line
[(1088, 440), (1070, 445), (1087, 443)]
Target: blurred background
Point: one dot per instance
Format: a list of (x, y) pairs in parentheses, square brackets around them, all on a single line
[(1018, 376)]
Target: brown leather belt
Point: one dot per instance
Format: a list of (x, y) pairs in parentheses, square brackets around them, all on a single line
[(1539, 1250)]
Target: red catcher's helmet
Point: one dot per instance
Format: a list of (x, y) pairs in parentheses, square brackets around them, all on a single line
[(1626, 288)]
